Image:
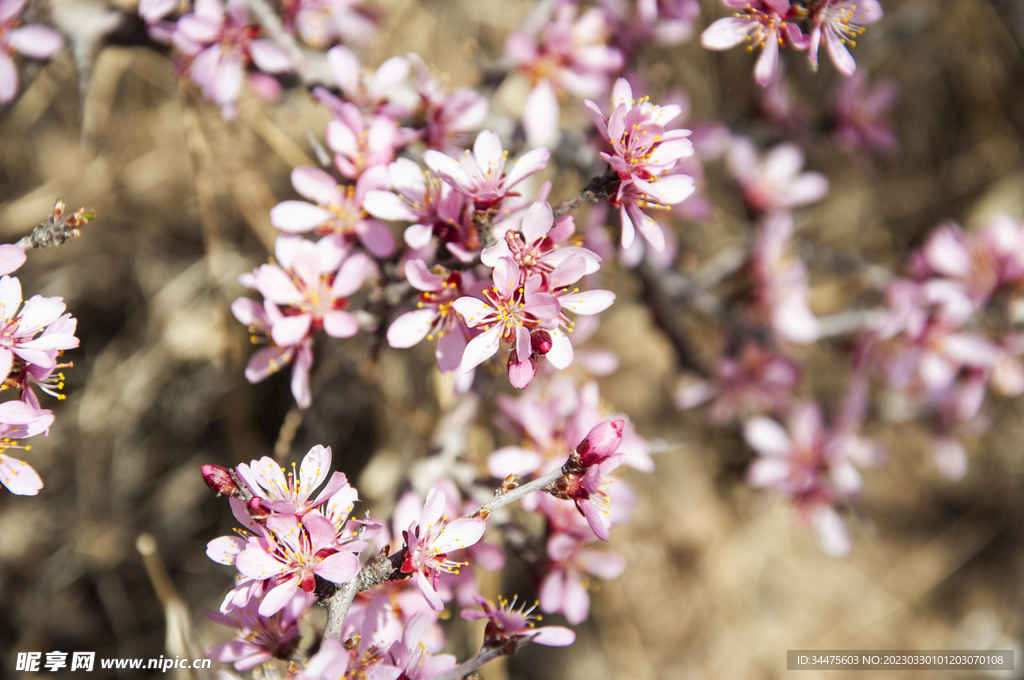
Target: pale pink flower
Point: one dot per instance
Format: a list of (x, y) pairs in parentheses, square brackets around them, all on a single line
[(361, 141), (366, 659), (507, 623), (663, 22), (755, 381), (270, 359), (292, 553), (762, 23), (430, 539), (321, 22), (221, 43), (570, 562), (807, 466), (572, 57), (435, 315), (291, 495), (861, 117), (643, 154), (261, 638), (977, 262), (34, 41), (411, 656), (541, 246), (368, 91), (47, 379), (589, 491), (516, 308), (781, 282), (17, 421), (481, 174), (839, 23), (447, 116), (419, 197), (335, 209), (776, 182), (23, 328), (311, 281)]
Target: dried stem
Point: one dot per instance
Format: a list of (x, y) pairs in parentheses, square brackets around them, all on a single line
[(598, 188)]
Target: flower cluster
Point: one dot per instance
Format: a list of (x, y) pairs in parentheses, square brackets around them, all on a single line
[(33, 335), (643, 156), (946, 338), (771, 24)]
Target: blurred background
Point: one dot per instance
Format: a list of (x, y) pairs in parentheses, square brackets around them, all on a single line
[(721, 579)]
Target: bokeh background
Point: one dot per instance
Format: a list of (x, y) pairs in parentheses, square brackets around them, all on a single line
[(721, 580)]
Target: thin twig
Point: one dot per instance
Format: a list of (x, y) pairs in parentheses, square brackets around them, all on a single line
[(473, 664), (598, 188)]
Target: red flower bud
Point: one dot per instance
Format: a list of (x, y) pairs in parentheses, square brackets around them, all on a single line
[(219, 479), (600, 443), (255, 508), (541, 341)]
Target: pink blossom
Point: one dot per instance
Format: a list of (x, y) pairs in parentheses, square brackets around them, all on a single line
[(23, 328), (839, 23), (663, 22), (430, 539), (507, 623), (335, 209), (293, 552), (221, 43), (419, 197), (412, 658), (368, 91), (48, 379), (807, 466), (562, 590), (435, 315), (311, 281), (589, 491), (571, 56), (755, 381), (364, 656), (516, 308), (781, 282), (542, 245), (447, 116), (643, 155), (774, 183), (33, 40), (361, 141), (260, 638), (290, 495), (599, 444), (862, 117), (321, 22), (762, 23), (481, 175), (17, 421), (270, 359)]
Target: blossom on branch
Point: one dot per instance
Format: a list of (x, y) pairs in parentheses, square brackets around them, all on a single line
[(33, 40), (762, 23)]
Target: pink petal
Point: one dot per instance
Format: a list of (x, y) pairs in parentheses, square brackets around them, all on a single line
[(352, 274), (225, 549), (345, 68), (541, 115), (19, 477), (269, 57), (11, 257), (340, 324), (278, 597), (725, 33), (297, 216), (530, 163), (537, 221), (338, 568), (554, 636), (480, 349), (767, 437), (376, 238), (587, 302), (421, 278), (411, 327), (291, 330), (473, 310), (8, 78), (460, 534), (513, 460), (764, 69), (561, 353), (428, 592), (257, 564), (387, 206), (38, 42), (316, 185)]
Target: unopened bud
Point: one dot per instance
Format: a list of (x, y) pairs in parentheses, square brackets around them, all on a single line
[(601, 442), (541, 341), (219, 479)]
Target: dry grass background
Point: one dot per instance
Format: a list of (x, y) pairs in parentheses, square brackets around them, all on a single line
[(720, 580)]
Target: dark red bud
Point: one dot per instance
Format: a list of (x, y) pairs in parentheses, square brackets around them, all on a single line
[(541, 341), (600, 443), (219, 479)]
